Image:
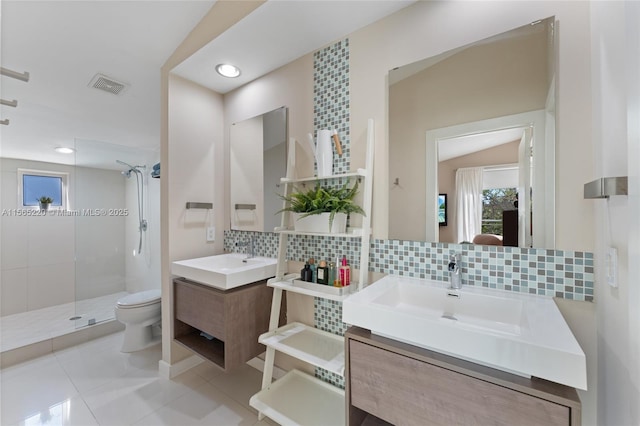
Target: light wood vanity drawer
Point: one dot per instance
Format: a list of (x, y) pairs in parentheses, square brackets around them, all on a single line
[(200, 307), (406, 391)]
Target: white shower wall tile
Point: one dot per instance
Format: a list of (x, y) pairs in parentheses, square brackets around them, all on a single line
[(14, 243), (9, 195), (50, 285), (13, 291), (50, 240)]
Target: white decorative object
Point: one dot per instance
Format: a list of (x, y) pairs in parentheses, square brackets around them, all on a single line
[(319, 223), (323, 153)]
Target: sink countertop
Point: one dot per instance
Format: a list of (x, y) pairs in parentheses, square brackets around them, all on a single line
[(225, 271), (516, 332)]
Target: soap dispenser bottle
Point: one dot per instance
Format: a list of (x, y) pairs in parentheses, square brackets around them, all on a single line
[(305, 273), (345, 272), (314, 270), (323, 273)]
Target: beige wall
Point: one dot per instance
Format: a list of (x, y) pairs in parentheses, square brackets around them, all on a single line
[(195, 164), (503, 154), (616, 129)]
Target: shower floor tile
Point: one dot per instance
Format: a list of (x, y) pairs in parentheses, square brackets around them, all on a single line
[(31, 327)]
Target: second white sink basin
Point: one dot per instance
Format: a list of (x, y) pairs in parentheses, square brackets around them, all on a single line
[(225, 271), (485, 312), (519, 333)]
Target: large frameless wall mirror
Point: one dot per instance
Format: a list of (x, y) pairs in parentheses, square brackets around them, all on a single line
[(258, 159), (476, 123)]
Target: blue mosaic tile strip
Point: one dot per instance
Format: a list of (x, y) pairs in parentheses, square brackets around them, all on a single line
[(328, 317), (331, 111), (331, 98), (558, 273), (266, 243), (299, 247)]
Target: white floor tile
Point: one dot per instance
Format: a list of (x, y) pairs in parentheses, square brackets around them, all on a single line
[(102, 367), (206, 405), (127, 400), (240, 384), (33, 390), (72, 412), (95, 384)]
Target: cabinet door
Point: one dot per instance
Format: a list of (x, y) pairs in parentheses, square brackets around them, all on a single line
[(406, 391), (200, 307)]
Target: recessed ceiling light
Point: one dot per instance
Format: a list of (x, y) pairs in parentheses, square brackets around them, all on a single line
[(228, 70), (64, 150)]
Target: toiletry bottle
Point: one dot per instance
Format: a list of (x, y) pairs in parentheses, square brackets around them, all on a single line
[(345, 272), (314, 270), (333, 273), (336, 276), (323, 273), (305, 273)]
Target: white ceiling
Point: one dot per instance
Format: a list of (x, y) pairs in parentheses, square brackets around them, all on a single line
[(63, 44), (277, 33)]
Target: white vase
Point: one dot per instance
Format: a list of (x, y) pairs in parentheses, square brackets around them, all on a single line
[(324, 154), (320, 223)]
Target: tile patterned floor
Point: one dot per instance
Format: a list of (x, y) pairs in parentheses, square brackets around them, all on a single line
[(35, 326), (95, 384)]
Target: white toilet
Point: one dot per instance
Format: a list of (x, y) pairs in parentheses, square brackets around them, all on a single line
[(139, 312)]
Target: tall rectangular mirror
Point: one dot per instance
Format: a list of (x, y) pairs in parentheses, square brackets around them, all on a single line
[(258, 159), (486, 108)]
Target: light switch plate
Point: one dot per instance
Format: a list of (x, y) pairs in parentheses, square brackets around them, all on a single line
[(211, 234)]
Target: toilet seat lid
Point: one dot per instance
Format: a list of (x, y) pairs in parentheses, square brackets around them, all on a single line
[(141, 298)]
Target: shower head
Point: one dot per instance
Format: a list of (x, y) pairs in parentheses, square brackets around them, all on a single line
[(135, 169)]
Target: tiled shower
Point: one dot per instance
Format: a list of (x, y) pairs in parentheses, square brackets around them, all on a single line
[(64, 270)]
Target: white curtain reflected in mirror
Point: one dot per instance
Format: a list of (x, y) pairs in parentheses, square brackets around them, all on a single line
[(469, 203)]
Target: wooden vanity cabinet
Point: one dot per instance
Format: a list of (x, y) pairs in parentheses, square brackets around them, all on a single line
[(389, 382), (235, 318)]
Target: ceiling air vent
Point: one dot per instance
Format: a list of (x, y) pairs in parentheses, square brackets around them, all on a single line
[(107, 84)]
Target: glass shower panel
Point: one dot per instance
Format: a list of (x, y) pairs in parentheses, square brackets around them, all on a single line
[(102, 203)]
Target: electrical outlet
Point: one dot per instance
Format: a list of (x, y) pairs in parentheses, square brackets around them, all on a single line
[(211, 234)]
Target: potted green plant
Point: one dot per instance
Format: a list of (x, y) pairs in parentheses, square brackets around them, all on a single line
[(45, 202), (315, 208)]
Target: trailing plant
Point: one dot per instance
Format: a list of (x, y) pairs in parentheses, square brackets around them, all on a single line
[(321, 199)]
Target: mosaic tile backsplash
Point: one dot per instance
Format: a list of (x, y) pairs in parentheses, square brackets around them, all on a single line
[(558, 273)]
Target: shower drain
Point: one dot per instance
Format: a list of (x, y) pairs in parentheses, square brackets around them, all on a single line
[(75, 318)]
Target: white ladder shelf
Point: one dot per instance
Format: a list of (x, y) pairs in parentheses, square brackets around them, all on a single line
[(299, 398)]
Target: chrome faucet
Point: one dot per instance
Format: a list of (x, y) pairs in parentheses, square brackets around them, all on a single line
[(455, 278), (251, 247)]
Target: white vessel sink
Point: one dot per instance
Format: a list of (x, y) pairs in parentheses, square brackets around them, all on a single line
[(519, 333), (225, 271)]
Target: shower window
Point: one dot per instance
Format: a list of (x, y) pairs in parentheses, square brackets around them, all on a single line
[(33, 184)]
